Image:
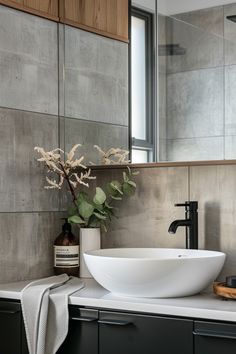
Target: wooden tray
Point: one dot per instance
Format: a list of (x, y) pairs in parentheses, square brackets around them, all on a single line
[(222, 290)]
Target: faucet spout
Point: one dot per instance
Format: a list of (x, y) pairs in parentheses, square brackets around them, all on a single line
[(175, 224), (190, 223)]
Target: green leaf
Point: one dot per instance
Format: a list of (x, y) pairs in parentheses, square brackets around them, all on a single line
[(103, 225), (98, 207), (75, 219), (110, 190), (72, 211), (116, 198), (82, 196), (125, 177), (100, 196), (99, 216), (129, 170), (86, 209), (132, 183), (116, 186), (108, 206), (94, 222), (128, 189), (135, 173)]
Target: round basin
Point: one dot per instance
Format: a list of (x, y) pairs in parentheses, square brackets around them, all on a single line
[(154, 272)]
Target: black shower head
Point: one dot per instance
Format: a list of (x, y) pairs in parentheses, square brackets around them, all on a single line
[(231, 18), (170, 49)]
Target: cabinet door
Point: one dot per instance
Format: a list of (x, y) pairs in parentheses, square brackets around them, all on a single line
[(43, 8), (48, 7), (106, 17), (121, 333), (10, 328), (214, 338), (82, 337)]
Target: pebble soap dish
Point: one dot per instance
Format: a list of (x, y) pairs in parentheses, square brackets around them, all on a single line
[(226, 289)]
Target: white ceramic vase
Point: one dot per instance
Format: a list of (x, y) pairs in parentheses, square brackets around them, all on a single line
[(90, 239)]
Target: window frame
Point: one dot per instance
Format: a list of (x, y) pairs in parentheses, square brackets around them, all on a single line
[(149, 143)]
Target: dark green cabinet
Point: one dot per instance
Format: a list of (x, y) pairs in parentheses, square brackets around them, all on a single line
[(121, 333), (12, 334), (93, 331), (105, 332), (214, 338), (82, 336)]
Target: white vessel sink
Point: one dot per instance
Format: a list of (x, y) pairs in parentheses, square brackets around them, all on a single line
[(154, 272)]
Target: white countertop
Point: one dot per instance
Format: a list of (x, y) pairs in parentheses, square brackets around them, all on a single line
[(205, 305)]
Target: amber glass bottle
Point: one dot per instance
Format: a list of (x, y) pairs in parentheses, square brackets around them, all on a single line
[(66, 252)]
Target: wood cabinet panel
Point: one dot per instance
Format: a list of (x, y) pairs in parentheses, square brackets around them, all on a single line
[(47, 6), (42, 8), (105, 17)]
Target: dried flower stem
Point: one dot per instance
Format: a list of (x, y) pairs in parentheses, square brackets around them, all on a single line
[(69, 184)]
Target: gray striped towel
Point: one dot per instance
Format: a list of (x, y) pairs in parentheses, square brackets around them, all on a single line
[(45, 312)]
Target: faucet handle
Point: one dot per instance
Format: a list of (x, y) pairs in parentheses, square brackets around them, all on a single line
[(182, 204), (192, 205)]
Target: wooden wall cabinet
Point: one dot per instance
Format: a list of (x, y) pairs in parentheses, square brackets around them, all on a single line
[(109, 18), (43, 8)]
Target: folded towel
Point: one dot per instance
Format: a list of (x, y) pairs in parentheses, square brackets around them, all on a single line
[(45, 312)]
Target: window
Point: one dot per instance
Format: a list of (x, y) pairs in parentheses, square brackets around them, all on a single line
[(142, 92)]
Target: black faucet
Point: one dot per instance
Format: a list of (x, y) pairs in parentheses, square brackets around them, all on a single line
[(190, 222)]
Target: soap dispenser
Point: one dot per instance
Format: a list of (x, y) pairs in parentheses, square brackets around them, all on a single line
[(66, 252)]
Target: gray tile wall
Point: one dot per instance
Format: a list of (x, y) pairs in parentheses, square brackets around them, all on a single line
[(96, 77), (28, 62), (200, 85), (143, 220), (34, 97)]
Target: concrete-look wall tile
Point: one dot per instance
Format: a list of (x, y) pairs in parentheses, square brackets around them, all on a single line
[(230, 101), (162, 43), (195, 104), (162, 150), (214, 188), (203, 49), (96, 77), (61, 67), (162, 106), (209, 20), (28, 62), (22, 179), (143, 219), (26, 250), (230, 147), (89, 134), (230, 34), (195, 149)]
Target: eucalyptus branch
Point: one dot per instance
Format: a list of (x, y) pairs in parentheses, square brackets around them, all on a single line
[(88, 211)]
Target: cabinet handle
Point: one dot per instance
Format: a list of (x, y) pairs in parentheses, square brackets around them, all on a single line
[(115, 322), (222, 335), (9, 312), (83, 319)]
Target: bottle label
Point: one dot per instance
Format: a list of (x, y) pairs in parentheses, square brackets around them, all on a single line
[(66, 256)]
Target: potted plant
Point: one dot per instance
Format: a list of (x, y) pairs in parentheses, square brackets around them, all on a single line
[(90, 210)]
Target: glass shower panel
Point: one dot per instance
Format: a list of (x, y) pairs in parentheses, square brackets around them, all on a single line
[(230, 80), (191, 86)]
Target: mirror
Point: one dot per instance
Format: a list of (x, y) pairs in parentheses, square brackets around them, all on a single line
[(167, 96), (195, 102)]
